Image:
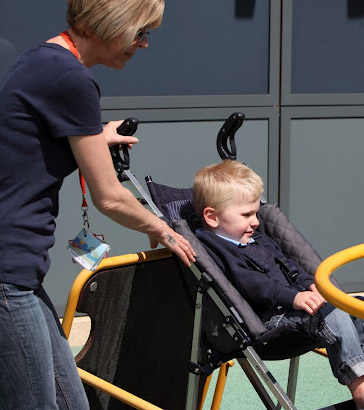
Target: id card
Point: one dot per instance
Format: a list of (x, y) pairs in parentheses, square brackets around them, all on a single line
[(87, 250)]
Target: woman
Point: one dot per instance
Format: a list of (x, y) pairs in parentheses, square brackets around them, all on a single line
[(50, 124)]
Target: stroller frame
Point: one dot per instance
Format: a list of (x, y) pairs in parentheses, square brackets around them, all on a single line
[(251, 365), (233, 322), (250, 362)]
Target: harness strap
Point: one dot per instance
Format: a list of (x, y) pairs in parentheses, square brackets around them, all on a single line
[(288, 268)]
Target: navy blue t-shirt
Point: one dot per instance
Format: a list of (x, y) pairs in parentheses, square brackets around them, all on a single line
[(45, 97)]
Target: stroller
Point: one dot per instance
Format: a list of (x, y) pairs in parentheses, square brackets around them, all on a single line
[(212, 322)]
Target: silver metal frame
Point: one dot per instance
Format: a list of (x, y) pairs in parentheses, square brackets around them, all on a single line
[(254, 368)]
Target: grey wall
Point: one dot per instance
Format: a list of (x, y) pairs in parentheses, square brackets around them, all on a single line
[(325, 56), (225, 43), (322, 126), (171, 153), (323, 173)]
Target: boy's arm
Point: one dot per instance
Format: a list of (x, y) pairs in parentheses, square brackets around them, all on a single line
[(305, 279), (257, 288), (262, 291)]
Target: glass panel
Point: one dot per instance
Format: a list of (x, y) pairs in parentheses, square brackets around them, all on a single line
[(202, 48), (327, 46), (325, 199)]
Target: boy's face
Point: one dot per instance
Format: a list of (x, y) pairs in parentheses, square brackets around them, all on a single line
[(237, 221)]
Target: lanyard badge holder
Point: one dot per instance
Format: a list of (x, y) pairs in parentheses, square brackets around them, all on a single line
[(87, 248)]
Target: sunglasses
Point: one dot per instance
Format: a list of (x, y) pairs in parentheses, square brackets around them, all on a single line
[(141, 34)]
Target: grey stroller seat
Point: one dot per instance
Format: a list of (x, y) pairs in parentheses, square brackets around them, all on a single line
[(228, 334)]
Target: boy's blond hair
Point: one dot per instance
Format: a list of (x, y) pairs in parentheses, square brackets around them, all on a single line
[(218, 185), (107, 20)]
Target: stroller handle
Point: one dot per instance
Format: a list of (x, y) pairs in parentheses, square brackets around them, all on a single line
[(227, 132), (128, 127)]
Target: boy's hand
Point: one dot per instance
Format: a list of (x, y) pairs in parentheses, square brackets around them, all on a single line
[(313, 288), (308, 301)]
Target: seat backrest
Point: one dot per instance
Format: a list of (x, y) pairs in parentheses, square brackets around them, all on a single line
[(294, 245), (179, 209), (174, 203), (177, 203)]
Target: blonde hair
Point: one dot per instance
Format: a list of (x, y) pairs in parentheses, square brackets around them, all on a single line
[(107, 20), (218, 185)]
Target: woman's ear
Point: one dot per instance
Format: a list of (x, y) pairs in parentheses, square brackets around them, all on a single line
[(210, 217)]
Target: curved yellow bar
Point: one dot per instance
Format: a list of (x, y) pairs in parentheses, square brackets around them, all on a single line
[(107, 263), (331, 293), (116, 392), (70, 310)]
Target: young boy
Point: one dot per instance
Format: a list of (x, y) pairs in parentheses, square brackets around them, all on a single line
[(226, 199)]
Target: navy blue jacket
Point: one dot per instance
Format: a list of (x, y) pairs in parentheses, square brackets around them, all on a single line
[(259, 271)]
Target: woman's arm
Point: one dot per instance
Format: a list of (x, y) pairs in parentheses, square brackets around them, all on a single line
[(113, 200)]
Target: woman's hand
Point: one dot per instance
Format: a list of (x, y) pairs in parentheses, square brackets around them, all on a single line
[(113, 138), (175, 243)]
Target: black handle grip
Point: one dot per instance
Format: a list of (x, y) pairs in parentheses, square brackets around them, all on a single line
[(128, 127), (227, 132)]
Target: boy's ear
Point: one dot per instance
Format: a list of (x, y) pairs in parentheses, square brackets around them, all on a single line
[(210, 217)]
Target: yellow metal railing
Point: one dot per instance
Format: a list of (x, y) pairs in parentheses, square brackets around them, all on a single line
[(107, 263), (330, 292), (73, 297), (103, 385), (219, 389), (116, 392)]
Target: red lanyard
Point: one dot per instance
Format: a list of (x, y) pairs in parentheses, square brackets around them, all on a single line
[(67, 38)]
